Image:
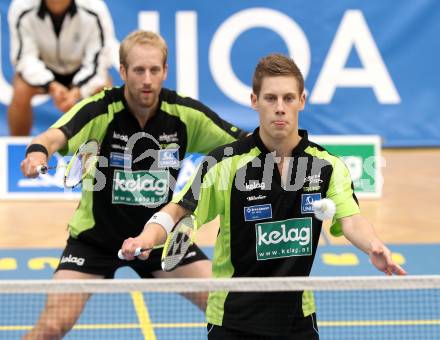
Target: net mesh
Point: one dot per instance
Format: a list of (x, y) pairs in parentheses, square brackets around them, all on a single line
[(347, 307)]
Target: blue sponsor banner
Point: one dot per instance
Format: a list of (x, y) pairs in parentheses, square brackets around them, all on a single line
[(187, 169), (51, 185), (366, 177), (370, 67)]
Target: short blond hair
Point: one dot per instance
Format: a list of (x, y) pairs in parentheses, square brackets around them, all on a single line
[(141, 37), (274, 65)]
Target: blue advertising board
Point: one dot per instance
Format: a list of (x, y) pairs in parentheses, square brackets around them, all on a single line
[(370, 67), (13, 185), (361, 154)]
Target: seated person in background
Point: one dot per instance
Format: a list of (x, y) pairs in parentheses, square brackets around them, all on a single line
[(59, 47)]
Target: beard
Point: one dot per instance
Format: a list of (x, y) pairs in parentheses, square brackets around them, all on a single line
[(142, 100)]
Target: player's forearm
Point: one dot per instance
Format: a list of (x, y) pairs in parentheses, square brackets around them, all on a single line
[(359, 232), (154, 233), (52, 140)]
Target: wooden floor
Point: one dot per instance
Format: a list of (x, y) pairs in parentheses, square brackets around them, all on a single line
[(405, 214)]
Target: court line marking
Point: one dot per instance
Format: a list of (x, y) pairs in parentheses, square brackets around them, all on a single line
[(78, 327), (378, 323), (180, 325), (151, 326), (143, 315)]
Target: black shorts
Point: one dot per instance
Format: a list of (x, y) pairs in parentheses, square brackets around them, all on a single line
[(65, 79), (304, 329), (85, 258)]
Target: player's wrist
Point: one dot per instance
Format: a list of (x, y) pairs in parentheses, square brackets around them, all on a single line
[(374, 246), (163, 219), (36, 147)]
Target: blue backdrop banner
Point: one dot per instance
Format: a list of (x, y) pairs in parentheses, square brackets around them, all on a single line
[(370, 67)]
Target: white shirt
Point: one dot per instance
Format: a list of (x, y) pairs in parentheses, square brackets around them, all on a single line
[(83, 43)]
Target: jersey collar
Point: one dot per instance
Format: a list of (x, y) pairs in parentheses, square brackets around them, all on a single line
[(302, 145)]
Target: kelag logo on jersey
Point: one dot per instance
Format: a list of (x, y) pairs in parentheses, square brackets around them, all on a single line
[(148, 188), (287, 238), (307, 201)]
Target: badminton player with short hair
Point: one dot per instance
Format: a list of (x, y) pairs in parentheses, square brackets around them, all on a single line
[(143, 131), (264, 187)]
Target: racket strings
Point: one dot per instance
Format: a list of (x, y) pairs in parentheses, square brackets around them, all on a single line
[(82, 162), (176, 248), (87, 154)]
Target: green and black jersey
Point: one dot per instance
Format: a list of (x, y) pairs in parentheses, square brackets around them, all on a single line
[(138, 166), (267, 225)]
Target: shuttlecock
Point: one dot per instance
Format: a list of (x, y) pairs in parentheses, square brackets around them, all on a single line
[(324, 209)]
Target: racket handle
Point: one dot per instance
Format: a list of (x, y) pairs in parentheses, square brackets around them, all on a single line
[(137, 252), (42, 169)]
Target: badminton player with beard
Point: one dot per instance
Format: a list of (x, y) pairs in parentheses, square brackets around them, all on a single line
[(127, 121)]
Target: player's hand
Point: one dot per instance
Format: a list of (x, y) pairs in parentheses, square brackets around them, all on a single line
[(31, 163), (128, 249), (380, 257), (58, 92), (69, 99)]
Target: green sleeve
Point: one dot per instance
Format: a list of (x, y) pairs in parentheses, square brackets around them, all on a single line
[(205, 135), (205, 129), (341, 192), (88, 119)]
